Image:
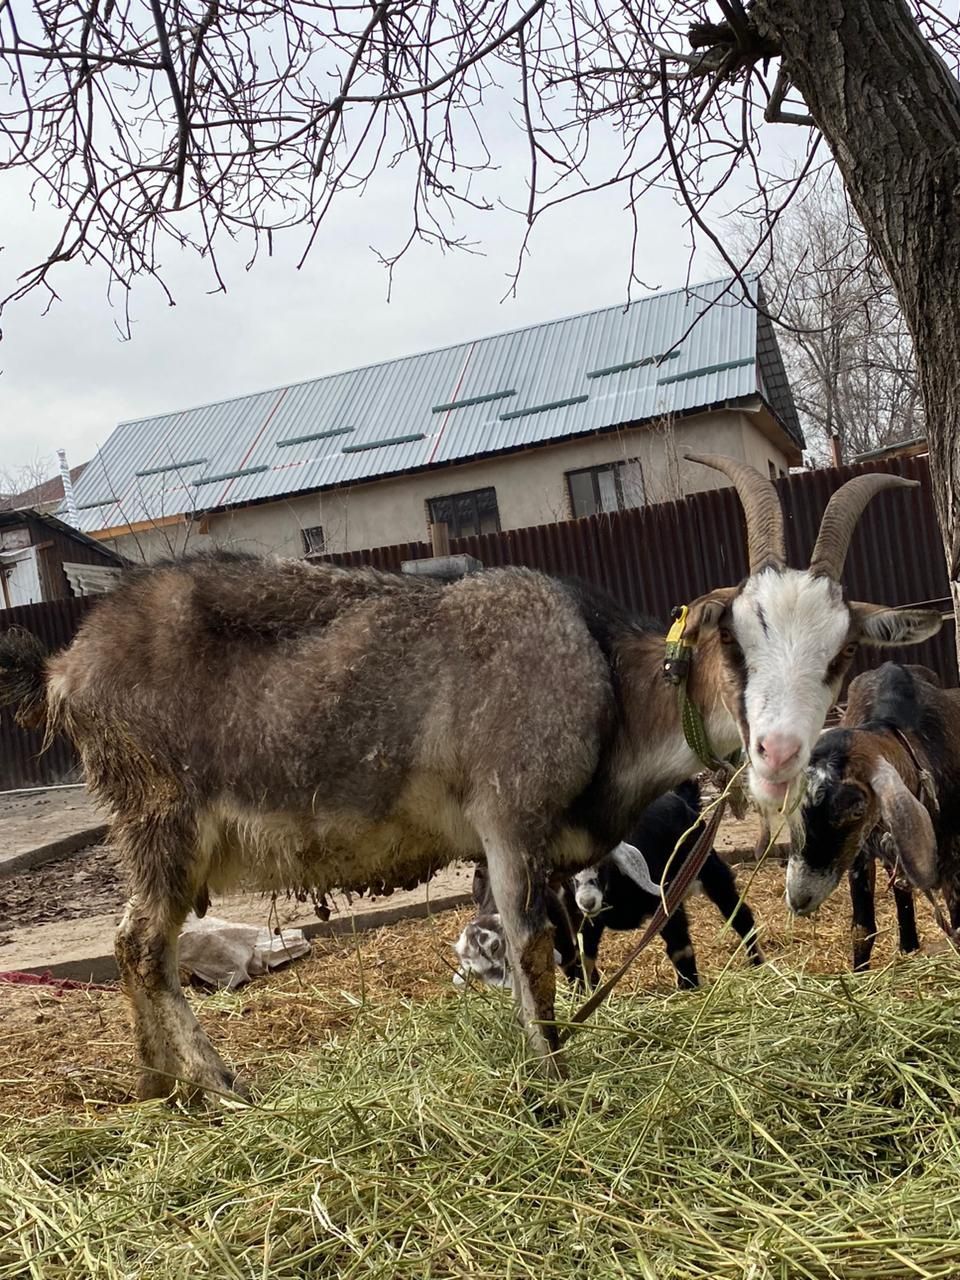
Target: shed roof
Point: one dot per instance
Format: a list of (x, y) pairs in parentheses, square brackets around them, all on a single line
[(671, 353), (44, 519)]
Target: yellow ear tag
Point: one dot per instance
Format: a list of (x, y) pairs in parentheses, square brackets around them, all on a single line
[(675, 634)]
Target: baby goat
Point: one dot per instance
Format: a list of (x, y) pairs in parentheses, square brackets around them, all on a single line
[(621, 892), (883, 786), (481, 947)]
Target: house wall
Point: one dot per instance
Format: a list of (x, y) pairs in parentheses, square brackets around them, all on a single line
[(531, 489)]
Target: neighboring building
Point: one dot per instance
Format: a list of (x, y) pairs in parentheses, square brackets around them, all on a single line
[(41, 558), (45, 498), (915, 448), (559, 420)]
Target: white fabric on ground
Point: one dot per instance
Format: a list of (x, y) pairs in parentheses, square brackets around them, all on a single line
[(224, 954)]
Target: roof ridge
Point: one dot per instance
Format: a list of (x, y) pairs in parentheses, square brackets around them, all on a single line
[(451, 346)]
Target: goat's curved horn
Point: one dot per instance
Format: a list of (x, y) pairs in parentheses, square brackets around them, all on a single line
[(761, 506), (844, 509)]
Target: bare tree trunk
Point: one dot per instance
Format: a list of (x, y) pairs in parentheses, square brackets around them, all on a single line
[(890, 112)]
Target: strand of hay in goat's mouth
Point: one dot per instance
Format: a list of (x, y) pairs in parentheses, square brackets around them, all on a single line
[(772, 1126)]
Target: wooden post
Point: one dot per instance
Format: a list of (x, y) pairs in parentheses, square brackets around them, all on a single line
[(440, 537), (835, 451)]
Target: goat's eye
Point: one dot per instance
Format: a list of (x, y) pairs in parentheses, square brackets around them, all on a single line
[(726, 635), (850, 650)]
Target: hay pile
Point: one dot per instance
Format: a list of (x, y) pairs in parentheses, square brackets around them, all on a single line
[(776, 1125), (55, 1050)]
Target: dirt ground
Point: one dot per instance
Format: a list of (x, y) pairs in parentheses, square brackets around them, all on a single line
[(84, 884), (73, 1051)]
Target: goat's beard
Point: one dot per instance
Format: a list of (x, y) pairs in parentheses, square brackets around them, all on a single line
[(779, 805)]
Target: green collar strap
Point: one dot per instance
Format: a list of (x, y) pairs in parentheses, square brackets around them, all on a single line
[(678, 654)]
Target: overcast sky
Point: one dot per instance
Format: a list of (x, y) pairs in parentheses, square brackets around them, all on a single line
[(68, 378)]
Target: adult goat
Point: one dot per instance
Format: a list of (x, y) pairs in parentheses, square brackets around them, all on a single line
[(304, 726), (884, 786)]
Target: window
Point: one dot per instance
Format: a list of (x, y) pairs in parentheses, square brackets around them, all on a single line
[(312, 540), (466, 513), (614, 486), (772, 468)]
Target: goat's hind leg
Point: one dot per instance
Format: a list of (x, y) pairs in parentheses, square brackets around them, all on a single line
[(161, 855), (519, 889)]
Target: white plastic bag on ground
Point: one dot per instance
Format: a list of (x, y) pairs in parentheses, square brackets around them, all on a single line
[(224, 954)]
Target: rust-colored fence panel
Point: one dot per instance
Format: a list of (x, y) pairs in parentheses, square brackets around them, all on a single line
[(22, 763), (655, 557)]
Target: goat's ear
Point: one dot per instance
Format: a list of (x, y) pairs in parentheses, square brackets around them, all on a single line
[(705, 612), (908, 824), (883, 627)]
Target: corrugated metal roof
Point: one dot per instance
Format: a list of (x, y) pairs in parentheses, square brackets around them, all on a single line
[(550, 381)]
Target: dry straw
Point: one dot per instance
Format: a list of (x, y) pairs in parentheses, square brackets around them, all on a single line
[(772, 1126)]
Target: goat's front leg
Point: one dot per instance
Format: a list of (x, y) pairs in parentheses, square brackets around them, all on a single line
[(174, 1051), (862, 878), (563, 915), (907, 920), (721, 888), (519, 890), (591, 932), (949, 857)]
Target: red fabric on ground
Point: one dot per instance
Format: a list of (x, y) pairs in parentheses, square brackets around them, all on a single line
[(15, 978)]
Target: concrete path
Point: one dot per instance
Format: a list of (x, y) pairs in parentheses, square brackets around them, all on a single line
[(36, 827)]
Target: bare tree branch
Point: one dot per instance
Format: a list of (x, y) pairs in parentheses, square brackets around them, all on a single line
[(149, 123)]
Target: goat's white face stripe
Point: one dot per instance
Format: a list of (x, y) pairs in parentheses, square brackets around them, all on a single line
[(819, 777), (790, 627)]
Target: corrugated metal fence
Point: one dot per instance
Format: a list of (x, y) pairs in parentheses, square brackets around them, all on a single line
[(650, 559), (21, 762), (659, 556)]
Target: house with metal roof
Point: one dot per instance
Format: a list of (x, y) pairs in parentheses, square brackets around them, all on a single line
[(555, 421)]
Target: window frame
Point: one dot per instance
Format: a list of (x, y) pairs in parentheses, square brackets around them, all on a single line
[(308, 549), (454, 527), (617, 467)]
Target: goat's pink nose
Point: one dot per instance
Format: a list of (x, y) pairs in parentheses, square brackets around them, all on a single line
[(778, 750)]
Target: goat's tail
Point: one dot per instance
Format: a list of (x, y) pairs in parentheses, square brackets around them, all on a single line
[(23, 683)]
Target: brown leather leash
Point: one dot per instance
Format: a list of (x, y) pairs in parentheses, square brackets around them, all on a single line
[(674, 895)]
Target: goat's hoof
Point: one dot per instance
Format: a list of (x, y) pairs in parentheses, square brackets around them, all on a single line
[(213, 1087), (224, 1090), (154, 1084), (549, 1111)]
